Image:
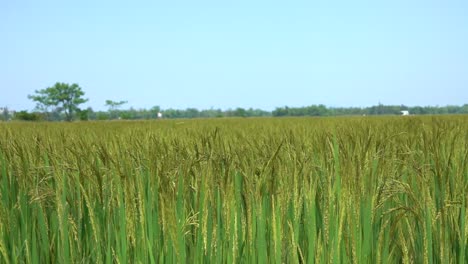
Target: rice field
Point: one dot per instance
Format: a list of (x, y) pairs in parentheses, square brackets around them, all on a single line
[(292, 190)]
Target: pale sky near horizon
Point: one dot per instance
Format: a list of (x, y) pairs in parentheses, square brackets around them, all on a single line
[(227, 54)]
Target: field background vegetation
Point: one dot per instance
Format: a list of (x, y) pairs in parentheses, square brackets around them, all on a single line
[(250, 190)]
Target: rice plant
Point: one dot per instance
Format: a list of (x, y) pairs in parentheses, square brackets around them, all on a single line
[(293, 190)]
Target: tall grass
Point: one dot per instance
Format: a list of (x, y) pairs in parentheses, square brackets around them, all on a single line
[(323, 190)]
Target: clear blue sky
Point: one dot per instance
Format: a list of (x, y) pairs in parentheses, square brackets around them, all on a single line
[(225, 54)]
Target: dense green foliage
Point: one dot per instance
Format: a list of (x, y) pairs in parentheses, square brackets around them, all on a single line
[(292, 190), (25, 116), (380, 109), (64, 97), (314, 110)]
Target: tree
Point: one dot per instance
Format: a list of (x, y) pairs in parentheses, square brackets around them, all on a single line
[(26, 116), (83, 114), (64, 97), (43, 102), (240, 112), (114, 106)]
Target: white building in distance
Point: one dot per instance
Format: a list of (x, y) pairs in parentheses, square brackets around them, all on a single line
[(405, 113)]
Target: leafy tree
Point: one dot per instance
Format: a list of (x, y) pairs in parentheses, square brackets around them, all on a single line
[(83, 114), (281, 111), (240, 112), (102, 116), (90, 113), (114, 107), (26, 116), (464, 109), (43, 101), (191, 113), (64, 97)]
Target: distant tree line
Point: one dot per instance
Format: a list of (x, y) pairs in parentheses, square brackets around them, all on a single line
[(313, 110), (61, 102), (380, 109), (140, 114)]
